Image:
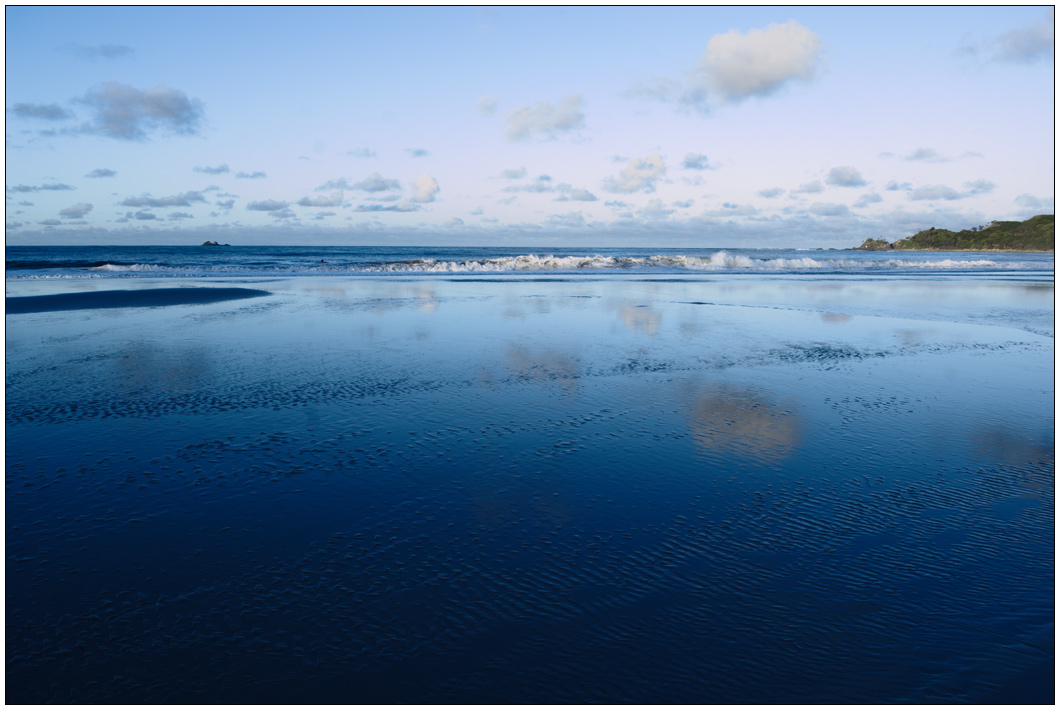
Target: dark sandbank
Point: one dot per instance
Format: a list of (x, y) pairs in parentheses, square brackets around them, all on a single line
[(127, 299)]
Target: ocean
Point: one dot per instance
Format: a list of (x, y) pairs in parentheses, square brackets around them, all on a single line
[(183, 262), (514, 475)]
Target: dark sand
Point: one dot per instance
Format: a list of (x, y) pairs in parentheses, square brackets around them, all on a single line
[(127, 299)]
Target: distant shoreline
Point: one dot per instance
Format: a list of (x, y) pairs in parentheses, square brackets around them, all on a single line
[(1036, 235), (963, 251)]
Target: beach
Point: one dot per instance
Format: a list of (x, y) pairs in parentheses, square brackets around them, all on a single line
[(463, 488), (692, 355)]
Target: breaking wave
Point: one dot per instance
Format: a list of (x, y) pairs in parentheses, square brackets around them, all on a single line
[(722, 261)]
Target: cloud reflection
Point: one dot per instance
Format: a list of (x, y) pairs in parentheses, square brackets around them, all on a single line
[(543, 366), (1005, 445), (835, 317), (641, 319), (146, 368), (381, 301), (744, 423)]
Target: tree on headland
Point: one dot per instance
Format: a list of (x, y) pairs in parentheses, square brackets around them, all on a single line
[(1034, 234)]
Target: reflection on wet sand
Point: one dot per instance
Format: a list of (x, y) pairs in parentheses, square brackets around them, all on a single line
[(328, 290), (511, 498), (744, 423), (835, 317), (143, 367), (641, 319), (910, 337), (1011, 447), (382, 300), (544, 366)]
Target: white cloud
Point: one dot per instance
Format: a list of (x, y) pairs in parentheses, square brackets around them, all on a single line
[(660, 88), (373, 183), (542, 119), (182, 200), (829, 209), (99, 51), (283, 213), (336, 184), (1034, 203), (1020, 45), (218, 170), (738, 66), (845, 176), (541, 184), (942, 192), (127, 113), (569, 193), (76, 211), (333, 200), (403, 206), (487, 105), (47, 112), (256, 175), (1029, 42), (424, 188), (513, 173), (267, 206), (934, 192), (695, 161), (928, 155), (868, 199), (571, 219), (35, 188), (809, 188), (730, 209), (771, 192), (102, 173), (655, 210), (361, 153), (639, 174)]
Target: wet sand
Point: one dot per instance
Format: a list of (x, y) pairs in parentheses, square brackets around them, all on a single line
[(540, 490)]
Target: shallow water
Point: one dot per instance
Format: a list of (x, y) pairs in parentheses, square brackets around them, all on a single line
[(464, 490)]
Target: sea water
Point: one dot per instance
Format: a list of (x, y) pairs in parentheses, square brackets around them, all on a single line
[(467, 476), (183, 261)]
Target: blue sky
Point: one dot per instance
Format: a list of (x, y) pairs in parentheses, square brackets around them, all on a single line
[(713, 127)]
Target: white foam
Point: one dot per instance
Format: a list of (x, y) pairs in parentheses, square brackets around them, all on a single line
[(721, 261)]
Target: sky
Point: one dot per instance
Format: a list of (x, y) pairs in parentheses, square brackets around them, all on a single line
[(684, 126)]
